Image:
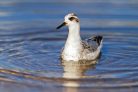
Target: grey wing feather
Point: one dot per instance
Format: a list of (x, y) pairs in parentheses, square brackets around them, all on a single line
[(92, 43)]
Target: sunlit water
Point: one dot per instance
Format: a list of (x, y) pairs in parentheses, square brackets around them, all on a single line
[(30, 46)]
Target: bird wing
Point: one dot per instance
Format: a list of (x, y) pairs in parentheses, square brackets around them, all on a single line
[(92, 43)]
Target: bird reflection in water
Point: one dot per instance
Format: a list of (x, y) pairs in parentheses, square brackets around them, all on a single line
[(74, 71)]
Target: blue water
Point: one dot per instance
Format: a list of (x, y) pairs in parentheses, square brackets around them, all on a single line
[(30, 46)]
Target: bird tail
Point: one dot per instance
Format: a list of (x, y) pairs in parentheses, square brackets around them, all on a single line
[(98, 39)]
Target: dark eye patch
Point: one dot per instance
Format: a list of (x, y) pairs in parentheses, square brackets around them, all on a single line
[(73, 18)]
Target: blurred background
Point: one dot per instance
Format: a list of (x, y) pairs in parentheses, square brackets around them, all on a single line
[(30, 45)]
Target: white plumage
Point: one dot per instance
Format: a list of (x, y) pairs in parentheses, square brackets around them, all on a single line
[(75, 49)]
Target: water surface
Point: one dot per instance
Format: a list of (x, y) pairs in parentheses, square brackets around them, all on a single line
[(30, 46)]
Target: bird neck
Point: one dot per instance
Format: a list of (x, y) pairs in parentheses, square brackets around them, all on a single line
[(73, 45), (74, 34)]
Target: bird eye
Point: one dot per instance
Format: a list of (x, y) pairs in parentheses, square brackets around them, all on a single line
[(71, 18)]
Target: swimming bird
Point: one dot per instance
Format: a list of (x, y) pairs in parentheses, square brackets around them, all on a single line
[(75, 49)]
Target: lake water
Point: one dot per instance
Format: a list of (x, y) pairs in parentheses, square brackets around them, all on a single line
[(30, 46)]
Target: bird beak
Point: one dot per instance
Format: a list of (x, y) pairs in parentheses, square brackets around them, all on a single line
[(63, 24)]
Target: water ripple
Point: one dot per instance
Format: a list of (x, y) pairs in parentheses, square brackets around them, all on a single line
[(30, 45)]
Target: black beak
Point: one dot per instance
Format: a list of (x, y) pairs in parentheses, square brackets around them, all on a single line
[(63, 24)]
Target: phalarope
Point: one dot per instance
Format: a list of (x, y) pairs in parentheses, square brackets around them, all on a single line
[(75, 49)]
